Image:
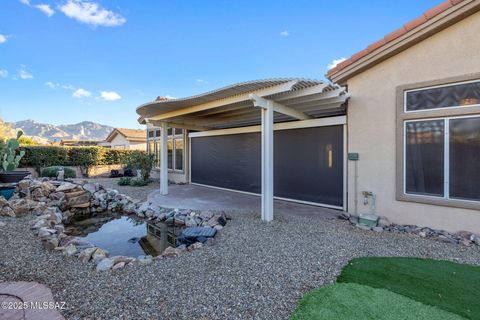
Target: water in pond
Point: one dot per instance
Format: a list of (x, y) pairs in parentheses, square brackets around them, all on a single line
[(124, 235)]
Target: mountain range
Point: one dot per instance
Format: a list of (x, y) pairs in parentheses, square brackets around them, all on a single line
[(44, 132)]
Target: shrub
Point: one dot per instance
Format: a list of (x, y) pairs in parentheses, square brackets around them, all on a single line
[(53, 171), (141, 161), (46, 156), (124, 181), (138, 182)]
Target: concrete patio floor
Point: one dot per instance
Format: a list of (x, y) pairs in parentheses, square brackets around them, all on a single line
[(204, 198)]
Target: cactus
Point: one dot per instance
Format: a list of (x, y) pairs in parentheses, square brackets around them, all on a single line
[(11, 158)]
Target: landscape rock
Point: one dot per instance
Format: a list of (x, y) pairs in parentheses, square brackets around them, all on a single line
[(99, 254), (119, 266), (86, 254), (70, 250), (104, 264), (6, 211), (50, 244)]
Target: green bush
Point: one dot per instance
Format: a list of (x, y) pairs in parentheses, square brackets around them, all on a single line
[(52, 172), (46, 156), (138, 160), (124, 181), (138, 182)]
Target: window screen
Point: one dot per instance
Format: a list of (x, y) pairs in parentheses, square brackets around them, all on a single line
[(424, 157)]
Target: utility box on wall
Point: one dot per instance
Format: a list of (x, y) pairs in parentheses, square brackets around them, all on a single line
[(353, 156)]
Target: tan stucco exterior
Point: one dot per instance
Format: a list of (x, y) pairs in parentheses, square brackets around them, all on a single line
[(120, 142), (372, 113)]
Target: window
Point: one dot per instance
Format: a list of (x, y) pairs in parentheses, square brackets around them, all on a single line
[(424, 157), (178, 154), (445, 96), (441, 158), (175, 148)]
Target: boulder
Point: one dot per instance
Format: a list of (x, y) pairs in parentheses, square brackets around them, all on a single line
[(99, 254), (119, 266), (86, 254), (171, 252), (197, 245), (144, 260), (91, 187), (104, 264), (70, 250), (81, 200), (377, 229), (50, 244), (384, 222), (206, 215), (21, 207), (6, 211), (344, 216), (67, 187)]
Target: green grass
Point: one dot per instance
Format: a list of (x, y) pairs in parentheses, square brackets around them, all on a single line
[(397, 288), (449, 286), (353, 301)]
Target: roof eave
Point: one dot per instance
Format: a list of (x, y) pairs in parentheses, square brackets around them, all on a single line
[(412, 37)]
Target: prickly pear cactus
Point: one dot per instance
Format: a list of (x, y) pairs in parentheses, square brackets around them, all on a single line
[(11, 158)]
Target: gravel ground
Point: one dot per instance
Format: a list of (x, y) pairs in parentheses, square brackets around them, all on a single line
[(254, 271), (138, 193)]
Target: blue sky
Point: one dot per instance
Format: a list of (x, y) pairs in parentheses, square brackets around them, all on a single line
[(65, 61)]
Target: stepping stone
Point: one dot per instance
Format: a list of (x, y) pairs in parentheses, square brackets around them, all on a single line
[(32, 293)]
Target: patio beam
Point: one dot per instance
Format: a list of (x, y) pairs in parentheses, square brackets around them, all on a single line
[(163, 159), (280, 88), (182, 125), (280, 108), (267, 108)]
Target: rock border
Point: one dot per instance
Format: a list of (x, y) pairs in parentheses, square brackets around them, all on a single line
[(463, 238), (54, 203)]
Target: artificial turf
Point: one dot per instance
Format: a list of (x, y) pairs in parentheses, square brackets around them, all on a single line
[(397, 288), (351, 301), (447, 285)]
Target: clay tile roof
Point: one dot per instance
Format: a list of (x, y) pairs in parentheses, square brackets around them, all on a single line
[(129, 134), (395, 34)]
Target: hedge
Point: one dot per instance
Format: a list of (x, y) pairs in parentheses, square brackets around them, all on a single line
[(52, 172), (46, 156)]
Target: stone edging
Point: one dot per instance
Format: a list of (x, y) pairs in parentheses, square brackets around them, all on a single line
[(54, 203)]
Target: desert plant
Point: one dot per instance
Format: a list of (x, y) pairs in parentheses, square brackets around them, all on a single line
[(140, 161), (53, 171), (138, 182), (11, 155), (124, 181)]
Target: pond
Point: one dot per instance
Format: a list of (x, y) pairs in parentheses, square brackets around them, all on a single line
[(124, 235)]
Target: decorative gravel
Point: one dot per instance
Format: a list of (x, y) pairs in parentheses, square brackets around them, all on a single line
[(254, 271)]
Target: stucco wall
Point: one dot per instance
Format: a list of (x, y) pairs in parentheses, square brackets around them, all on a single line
[(372, 122), (119, 141)]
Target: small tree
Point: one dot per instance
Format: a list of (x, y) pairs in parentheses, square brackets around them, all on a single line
[(141, 161)]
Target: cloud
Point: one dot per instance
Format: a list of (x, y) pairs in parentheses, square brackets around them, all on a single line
[(27, 2), (3, 73), (81, 93), (110, 96), (201, 81), (24, 74), (3, 38), (91, 13), (45, 8), (285, 33), (334, 63), (51, 85)]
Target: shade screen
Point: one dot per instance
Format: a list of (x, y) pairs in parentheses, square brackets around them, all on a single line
[(308, 163)]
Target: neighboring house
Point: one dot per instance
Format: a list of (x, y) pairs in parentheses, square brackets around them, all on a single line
[(79, 143), (405, 145), (131, 139)]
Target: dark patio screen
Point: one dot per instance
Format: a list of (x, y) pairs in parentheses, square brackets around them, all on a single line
[(308, 163)]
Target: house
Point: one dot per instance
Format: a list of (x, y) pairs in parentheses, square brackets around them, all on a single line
[(131, 139), (79, 143), (395, 133)]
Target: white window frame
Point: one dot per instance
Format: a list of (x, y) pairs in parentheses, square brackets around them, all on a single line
[(172, 138), (446, 158), (434, 87)]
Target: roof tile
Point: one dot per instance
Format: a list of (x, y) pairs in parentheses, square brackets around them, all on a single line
[(397, 33)]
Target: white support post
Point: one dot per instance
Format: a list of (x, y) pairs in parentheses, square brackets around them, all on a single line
[(163, 159), (267, 107), (267, 162)]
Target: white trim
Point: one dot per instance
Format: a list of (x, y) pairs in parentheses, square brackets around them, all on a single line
[(322, 122), (435, 87), (276, 198)]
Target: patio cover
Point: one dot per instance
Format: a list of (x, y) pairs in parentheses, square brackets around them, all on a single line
[(280, 100)]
